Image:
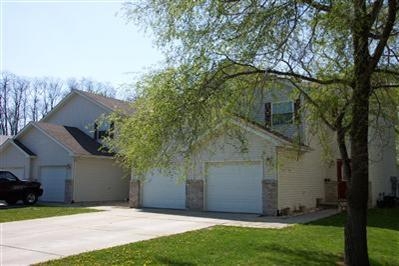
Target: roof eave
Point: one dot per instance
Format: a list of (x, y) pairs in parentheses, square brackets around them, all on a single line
[(11, 142), (92, 156)]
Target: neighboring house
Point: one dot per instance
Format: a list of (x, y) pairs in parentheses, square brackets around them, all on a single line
[(282, 166), (63, 151)]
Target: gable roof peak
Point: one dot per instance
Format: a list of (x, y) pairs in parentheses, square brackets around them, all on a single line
[(110, 103)]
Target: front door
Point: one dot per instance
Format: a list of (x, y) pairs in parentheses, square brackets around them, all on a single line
[(341, 181)]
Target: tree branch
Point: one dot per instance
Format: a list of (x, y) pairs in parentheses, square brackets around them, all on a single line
[(306, 78), (377, 5), (387, 71), (317, 5), (290, 73), (314, 103), (392, 9), (387, 86)]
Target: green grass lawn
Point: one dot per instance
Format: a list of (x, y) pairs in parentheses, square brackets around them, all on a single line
[(18, 213), (317, 243)]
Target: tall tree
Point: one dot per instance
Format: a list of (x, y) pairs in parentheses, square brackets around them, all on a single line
[(350, 45), (34, 95), (17, 104), (5, 83), (53, 93)]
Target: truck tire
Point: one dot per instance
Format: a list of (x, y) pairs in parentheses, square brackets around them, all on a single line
[(30, 198)]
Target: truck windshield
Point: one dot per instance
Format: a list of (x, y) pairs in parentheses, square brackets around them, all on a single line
[(7, 176)]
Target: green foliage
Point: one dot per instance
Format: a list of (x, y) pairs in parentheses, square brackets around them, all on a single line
[(173, 109), (220, 52), (318, 243)]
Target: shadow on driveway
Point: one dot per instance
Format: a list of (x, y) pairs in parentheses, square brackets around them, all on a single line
[(236, 219)]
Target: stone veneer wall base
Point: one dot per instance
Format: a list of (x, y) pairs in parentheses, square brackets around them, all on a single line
[(195, 195), (269, 197), (134, 194), (68, 196)]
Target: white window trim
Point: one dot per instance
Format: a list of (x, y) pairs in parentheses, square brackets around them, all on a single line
[(293, 111)]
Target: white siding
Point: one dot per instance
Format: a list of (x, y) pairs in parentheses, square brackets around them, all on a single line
[(77, 112), (49, 153), (300, 178), (99, 180), (382, 159), (382, 164), (164, 190), (226, 148), (14, 160)]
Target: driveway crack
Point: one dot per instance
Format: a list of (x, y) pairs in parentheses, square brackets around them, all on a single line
[(28, 249)]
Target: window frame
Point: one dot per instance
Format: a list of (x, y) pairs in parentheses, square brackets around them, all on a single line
[(292, 113), (8, 177)]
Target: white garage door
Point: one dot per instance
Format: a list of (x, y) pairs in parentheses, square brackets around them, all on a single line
[(234, 187), (164, 191), (53, 183), (18, 171)]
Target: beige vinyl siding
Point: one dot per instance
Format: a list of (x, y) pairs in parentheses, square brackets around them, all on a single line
[(98, 179), (300, 178), (77, 112)]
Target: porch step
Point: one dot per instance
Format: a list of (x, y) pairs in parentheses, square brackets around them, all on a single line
[(329, 205), (340, 205)]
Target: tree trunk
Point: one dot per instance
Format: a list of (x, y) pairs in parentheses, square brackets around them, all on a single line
[(356, 224), (355, 229), (341, 134)]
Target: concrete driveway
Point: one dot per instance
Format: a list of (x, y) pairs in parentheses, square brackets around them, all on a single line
[(32, 241)]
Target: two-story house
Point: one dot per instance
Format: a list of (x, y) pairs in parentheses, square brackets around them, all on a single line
[(281, 167), (64, 153)]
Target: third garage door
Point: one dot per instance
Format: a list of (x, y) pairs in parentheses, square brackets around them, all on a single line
[(234, 187), (164, 190)]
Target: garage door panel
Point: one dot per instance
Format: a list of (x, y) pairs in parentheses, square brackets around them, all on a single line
[(162, 191), (234, 187), (53, 183)]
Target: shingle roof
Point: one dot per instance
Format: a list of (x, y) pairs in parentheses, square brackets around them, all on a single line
[(24, 148), (74, 139), (111, 103)]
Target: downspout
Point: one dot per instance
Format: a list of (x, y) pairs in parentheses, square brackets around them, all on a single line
[(277, 179), (73, 175)]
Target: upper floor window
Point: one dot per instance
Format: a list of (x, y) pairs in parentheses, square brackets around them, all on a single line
[(99, 134), (282, 113)]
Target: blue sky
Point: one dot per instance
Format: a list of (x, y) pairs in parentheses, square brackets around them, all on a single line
[(73, 39)]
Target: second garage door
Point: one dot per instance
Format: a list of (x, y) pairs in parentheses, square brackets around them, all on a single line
[(234, 187), (162, 190), (53, 183)]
